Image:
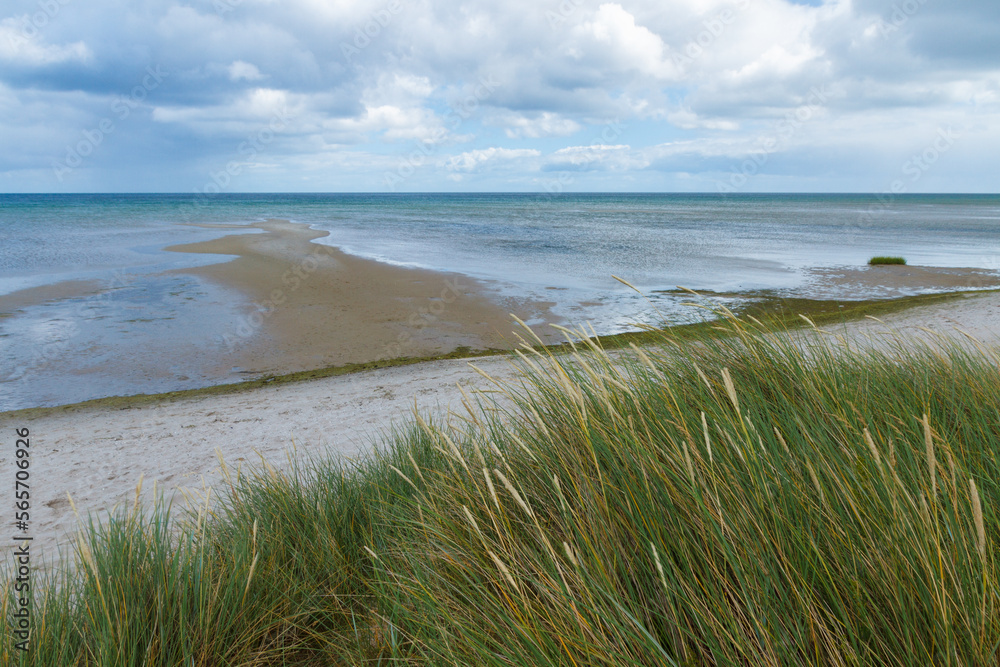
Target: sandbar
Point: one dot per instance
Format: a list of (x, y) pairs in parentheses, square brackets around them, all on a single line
[(34, 296), (314, 306)]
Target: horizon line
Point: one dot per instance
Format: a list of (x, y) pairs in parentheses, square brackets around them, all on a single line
[(543, 193)]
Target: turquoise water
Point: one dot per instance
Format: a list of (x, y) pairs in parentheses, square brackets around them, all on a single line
[(561, 248)]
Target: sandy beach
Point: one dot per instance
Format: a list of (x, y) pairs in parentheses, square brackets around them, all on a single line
[(97, 455)]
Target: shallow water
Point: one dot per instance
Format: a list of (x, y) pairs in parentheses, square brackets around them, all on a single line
[(158, 331)]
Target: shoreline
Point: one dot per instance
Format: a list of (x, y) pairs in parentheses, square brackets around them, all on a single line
[(283, 305), (319, 404), (250, 301), (97, 452), (897, 306)]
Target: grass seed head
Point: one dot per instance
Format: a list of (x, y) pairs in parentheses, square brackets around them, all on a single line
[(871, 446), (503, 568), (731, 389), (659, 567), (493, 491), (513, 492), (569, 554), (708, 440), (977, 514), (472, 521), (931, 461), (253, 567), (781, 439)]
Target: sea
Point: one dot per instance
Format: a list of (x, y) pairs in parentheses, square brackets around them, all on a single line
[(151, 329)]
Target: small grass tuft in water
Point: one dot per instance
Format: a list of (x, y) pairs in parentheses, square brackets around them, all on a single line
[(882, 260)]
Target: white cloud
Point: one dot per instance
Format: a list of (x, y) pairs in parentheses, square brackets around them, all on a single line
[(398, 123), (545, 124), (776, 61), (243, 71), (626, 44), (252, 109), (688, 120), (21, 44), (397, 88), (694, 84), (472, 160), (596, 157)]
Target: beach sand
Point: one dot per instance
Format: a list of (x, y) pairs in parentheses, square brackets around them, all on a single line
[(891, 281), (34, 296), (315, 306), (97, 455)]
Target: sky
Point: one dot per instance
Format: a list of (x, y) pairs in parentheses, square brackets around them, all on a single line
[(884, 96)]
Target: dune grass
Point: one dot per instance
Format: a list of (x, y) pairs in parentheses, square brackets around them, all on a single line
[(740, 499), (881, 260)]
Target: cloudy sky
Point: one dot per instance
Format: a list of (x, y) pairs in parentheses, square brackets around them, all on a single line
[(520, 95)]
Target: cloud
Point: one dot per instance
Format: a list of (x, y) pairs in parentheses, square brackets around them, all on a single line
[(695, 85), (545, 124), (624, 44), (21, 46), (252, 107), (596, 157), (687, 119), (473, 160), (243, 71)]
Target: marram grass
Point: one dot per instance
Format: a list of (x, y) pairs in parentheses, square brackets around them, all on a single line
[(881, 259), (744, 499)]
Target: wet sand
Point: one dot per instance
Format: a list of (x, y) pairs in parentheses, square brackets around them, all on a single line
[(34, 296), (891, 281), (315, 306)]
